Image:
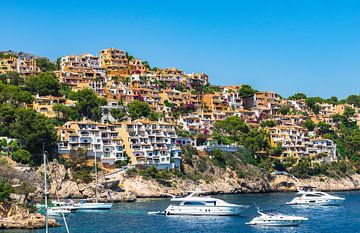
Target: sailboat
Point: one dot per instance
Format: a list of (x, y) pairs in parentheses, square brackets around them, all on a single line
[(49, 211), (84, 205)]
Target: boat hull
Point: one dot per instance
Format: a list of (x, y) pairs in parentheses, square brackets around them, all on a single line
[(204, 210), (94, 206), (277, 223)]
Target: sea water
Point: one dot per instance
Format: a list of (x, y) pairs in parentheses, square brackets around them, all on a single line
[(133, 217)]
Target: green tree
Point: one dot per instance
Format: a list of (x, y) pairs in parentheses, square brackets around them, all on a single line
[(13, 95), (284, 109), (5, 190), (246, 91), (137, 109), (324, 128), (302, 169), (353, 99), (43, 84), (270, 123), (34, 130), (277, 150), (297, 96), (312, 104), (45, 64), (347, 117), (22, 156), (12, 78), (66, 113), (117, 113), (6, 118), (58, 63), (232, 127), (332, 100), (88, 104), (155, 116), (255, 140), (309, 124)]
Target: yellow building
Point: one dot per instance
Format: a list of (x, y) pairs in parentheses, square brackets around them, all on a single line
[(215, 102), (45, 104), (24, 67), (115, 61)]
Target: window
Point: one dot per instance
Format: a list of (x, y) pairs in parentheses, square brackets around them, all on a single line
[(193, 203)]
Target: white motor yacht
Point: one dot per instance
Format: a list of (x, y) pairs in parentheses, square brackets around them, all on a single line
[(273, 218), (202, 205), (309, 196)]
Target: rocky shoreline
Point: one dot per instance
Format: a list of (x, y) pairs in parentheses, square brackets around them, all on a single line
[(127, 188), (281, 183), (13, 216)]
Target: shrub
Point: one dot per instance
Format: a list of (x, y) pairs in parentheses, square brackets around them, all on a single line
[(22, 156), (5, 190), (202, 165)]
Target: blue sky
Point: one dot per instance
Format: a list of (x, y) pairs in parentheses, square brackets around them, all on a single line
[(284, 46)]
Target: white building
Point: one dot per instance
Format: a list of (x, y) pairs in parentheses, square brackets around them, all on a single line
[(102, 139)]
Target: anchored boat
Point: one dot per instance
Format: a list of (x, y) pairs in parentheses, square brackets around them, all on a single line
[(202, 205), (273, 218), (309, 196)]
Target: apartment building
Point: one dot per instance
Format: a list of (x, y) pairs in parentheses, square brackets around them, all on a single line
[(45, 104), (322, 150), (231, 95), (151, 143), (24, 66), (195, 80), (85, 68), (115, 61), (104, 140), (215, 102), (137, 66), (267, 102), (292, 138), (296, 143)]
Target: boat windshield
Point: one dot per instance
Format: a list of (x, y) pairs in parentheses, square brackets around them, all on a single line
[(312, 195), (270, 212)]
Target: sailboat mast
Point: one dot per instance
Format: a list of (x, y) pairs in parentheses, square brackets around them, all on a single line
[(45, 193), (96, 177)]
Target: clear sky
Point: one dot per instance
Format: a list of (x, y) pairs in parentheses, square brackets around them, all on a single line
[(287, 46)]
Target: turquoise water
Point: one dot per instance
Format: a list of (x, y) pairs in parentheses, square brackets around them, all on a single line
[(133, 217)]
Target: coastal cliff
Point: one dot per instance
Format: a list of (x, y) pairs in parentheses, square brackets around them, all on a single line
[(201, 174), (141, 187)]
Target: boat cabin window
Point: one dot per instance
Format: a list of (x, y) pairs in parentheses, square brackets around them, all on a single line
[(312, 195), (193, 203), (211, 203)]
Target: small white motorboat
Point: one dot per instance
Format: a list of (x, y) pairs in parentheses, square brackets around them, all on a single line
[(202, 205), (273, 218), (309, 196)]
